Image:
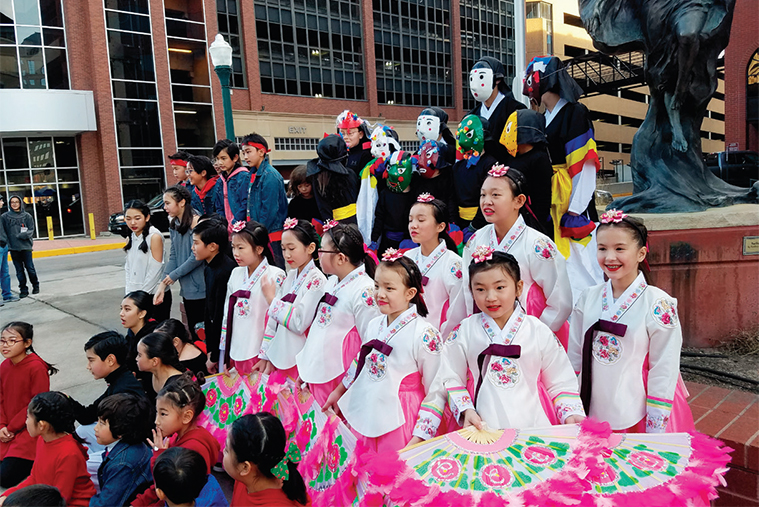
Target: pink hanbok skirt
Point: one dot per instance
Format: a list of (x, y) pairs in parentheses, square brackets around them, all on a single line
[(536, 303), (351, 348)]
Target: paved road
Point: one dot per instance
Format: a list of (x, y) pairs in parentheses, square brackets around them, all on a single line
[(80, 296)]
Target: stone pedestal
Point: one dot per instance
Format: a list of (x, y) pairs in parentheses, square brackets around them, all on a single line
[(709, 261)]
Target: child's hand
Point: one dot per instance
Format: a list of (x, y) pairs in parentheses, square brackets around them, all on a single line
[(158, 296), (268, 289), (472, 418), (414, 441), (333, 399), (212, 367), (167, 280), (159, 442), (574, 419), (5, 435), (264, 366)]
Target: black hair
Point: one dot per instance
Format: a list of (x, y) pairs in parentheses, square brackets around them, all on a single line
[(230, 147), (639, 233), (253, 138), (185, 392), (161, 345), (349, 242), (38, 495), (505, 261), (143, 301), (180, 155), (412, 278), (516, 181), (212, 231), (26, 331), (54, 408), (261, 439), (175, 329), (128, 416), (440, 214), (255, 234), (107, 343), (180, 193), (201, 163), (297, 177), (181, 474), (306, 234), (145, 210)]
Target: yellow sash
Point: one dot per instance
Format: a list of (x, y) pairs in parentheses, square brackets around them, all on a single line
[(344, 212), (468, 213), (561, 192)]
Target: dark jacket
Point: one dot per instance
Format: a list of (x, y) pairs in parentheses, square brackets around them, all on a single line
[(267, 200), (145, 378), (497, 121), (237, 194), (12, 223), (359, 156), (120, 380), (123, 472), (216, 276), (205, 204)]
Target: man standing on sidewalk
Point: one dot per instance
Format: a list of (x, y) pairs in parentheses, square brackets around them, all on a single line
[(5, 275)]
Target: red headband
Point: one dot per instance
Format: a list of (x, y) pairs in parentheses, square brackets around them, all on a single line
[(178, 161), (257, 146)]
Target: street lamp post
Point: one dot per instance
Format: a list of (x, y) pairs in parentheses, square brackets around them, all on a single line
[(221, 57)]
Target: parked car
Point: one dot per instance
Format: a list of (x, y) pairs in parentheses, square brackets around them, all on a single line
[(739, 168), (158, 218)]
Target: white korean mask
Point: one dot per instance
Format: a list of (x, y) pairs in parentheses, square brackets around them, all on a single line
[(380, 146), (427, 128), (481, 84)]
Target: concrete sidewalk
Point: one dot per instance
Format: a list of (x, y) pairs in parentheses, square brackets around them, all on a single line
[(68, 246)]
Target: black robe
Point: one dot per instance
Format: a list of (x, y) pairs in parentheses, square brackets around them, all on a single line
[(440, 187), (391, 216), (497, 122), (536, 167), (467, 183)]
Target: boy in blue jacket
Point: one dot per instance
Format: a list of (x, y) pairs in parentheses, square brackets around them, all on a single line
[(231, 193), (267, 200)]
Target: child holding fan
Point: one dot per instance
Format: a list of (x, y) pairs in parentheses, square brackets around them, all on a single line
[(23, 375), (547, 294), (509, 356), (389, 395), (290, 316), (344, 312), (438, 261), (244, 321), (625, 339)]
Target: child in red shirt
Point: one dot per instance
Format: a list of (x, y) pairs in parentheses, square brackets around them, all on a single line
[(23, 375), (265, 473), (61, 461), (178, 406)]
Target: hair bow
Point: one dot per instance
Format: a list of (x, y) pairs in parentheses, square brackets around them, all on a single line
[(425, 197), (498, 171), (238, 226), (290, 223), (330, 224), (613, 216), (391, 254), (280, 470), (482, 253)]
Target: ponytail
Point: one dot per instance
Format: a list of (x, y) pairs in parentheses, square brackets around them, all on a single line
[(349, 242), (294, 487)]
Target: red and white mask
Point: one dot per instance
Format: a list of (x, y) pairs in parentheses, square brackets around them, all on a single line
[(481, 84), (427, 128)]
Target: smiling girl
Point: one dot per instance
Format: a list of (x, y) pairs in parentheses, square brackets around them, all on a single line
[(389, 395), (511, 357), (291, 315), (625, 339), (144, 259), (547, 293)]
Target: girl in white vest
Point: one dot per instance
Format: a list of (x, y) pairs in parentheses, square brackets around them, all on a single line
[(389, 396), (244, 322), (625, 339), (344, 311), (547, 293), (291, 314)]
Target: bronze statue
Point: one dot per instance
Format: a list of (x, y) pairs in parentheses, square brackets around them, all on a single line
[(682, 40)]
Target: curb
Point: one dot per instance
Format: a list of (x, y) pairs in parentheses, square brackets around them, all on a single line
[(53, 252)]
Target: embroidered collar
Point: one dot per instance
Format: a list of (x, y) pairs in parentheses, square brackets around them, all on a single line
[(348, 279), (508, 240), (505, 335), (431, 259), (386, 333), (249, 282), (613, 311), (302, 276)]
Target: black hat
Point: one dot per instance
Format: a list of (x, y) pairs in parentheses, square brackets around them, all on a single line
[(331, 152)]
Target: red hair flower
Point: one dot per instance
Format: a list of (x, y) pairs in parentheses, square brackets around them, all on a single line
[(290, 223), (391, 254), (498, 171), (238, 226), (329, 225), (613, 216), (425, 197)]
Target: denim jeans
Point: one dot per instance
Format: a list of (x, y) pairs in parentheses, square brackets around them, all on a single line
[(5, 274), (23, 259)]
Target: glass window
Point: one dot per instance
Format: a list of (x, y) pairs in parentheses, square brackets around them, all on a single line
[(131, 56), (72, 216), (140, 6), (6, 12), (195, 125), (137, 123), (57, 70), (52, 12), (27, 12), (15, 153), (32, 67), (65, 152), (9, 77), (128, 157), (41, 152), (132, 90), (229, 27)]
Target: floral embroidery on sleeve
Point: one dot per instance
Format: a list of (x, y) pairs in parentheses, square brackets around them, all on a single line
[(456, 270), (665, 312), (314, 283), (453, 335), (544, 249), (432, 340), (368, 296)]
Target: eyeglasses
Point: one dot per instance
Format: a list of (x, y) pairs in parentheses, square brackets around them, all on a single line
[(329, 251), (10, 342)]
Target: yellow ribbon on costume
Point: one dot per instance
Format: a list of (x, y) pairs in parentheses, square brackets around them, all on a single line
[(344, 212), (561, 192), (468, 213)]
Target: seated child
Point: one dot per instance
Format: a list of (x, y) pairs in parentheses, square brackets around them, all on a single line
[(122, 427), (181, 480), (39, 495), (264, 473), (61, 461)]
